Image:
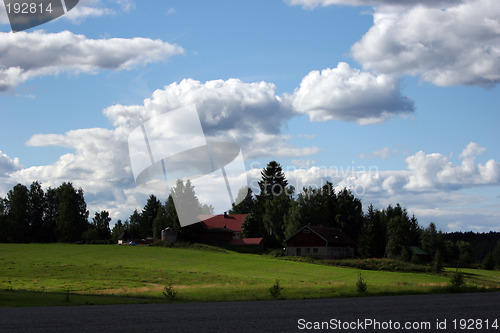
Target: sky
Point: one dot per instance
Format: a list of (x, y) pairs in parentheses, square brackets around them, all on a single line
[(396, 100)]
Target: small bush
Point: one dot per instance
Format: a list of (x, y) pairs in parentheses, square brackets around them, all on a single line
[(457, 280), (277, 253), (489, 262), (437, 264), (275, 290), (375, 264), (169, 292), (361, 285)]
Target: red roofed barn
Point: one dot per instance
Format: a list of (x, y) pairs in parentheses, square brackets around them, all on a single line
[(220, 230)]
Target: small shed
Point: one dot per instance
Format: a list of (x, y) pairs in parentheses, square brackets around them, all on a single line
[(420, 254), (169, 235), (124, 238)]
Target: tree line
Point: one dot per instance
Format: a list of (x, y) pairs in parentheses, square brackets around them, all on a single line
[(55, 215), (276, 213)]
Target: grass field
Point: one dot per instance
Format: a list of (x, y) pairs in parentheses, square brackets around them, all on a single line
[(59, 274)]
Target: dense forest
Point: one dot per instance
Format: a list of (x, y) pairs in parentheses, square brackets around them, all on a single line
[(277, 212)]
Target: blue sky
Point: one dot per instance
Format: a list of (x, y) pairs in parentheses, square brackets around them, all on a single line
[(397, 101)]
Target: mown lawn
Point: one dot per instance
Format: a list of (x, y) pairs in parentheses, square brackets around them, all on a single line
[(33, 273)]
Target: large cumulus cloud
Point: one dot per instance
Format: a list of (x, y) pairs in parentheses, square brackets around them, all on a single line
[(345, 93), (445, 42), (458, 45)]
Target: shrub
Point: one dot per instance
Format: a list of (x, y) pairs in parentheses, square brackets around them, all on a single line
[(276, 289), (457, 280), (437, 265), (169, 292), (489, 262), (361, 285), (277, 253), (374, 264)]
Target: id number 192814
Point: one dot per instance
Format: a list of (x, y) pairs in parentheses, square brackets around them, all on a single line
[(28, 8), (475, 324)]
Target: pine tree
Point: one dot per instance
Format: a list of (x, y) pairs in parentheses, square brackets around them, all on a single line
[(36, 205), (134, 222), (273, 180), (100, 222), (117, 231), (186, 202), (429, 239), (18, 216), (246, 201), (367, 236), (349, 216), (49, 216), (437, 264), (273, 219), (160, 222), (148, 214), (3, 220), (496, 255), (489, 261), (171, 214), (72, 213)]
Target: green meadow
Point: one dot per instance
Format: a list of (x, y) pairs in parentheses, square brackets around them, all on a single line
[(59, 274)]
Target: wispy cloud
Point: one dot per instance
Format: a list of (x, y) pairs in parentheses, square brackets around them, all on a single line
[(68, 52), (383, 153)]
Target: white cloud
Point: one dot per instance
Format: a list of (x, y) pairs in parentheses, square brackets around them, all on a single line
[(96, 8), (345, 93), (311, 4), (67, 52), (432, 187), (249, 114), (383, 153), (8, 165), (458, 45), (444, 42), (80, 13), (431, 171)]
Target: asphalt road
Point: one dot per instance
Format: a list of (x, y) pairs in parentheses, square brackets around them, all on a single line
[(423, 312)]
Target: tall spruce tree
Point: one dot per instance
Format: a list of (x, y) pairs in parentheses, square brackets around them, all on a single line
[(134, 225), (72, 213), (187, 205), (49, 216), (349, 216), (3, 220), (100, 222), (366, 240), (18, 216), (273, 181), (496, 255), (36, 207), (148, 215), (268, 218), (246, 201)]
